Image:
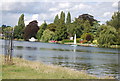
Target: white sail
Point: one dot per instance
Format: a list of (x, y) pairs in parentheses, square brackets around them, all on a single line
[(74, 45), (75, 39)]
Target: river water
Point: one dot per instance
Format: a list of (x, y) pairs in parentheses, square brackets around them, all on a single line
[(93, 60)]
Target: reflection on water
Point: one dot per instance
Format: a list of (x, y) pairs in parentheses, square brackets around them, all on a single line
[(98, 61)]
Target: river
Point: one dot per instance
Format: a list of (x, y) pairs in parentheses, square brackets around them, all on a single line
[(93, 60)]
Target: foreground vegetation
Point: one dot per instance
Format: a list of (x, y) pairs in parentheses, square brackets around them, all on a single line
[(23, 69)]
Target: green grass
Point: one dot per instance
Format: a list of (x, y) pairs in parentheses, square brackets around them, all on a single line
[(23, 69)]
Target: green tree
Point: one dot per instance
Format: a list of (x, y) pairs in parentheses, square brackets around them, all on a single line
[(47, 35), (68, 19), (56, 20), (52, 27), (87, 27), (41, 30), (94, 28), (87, 36), (62, 17), (78, 27), (115, 21), (107, 36), (61, 32), (18, 31)]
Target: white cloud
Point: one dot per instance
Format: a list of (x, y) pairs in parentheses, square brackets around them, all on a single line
[(106, 14), (115, 4), (53, 9), (41, 11), (80, 6), (63, 5), (7, 6), (35, 17)]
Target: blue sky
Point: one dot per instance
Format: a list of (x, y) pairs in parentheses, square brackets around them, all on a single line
[(46, 10)]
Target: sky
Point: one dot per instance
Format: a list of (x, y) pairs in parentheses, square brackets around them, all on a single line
[(46, 10)]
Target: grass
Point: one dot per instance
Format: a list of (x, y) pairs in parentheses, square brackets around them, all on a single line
[(23, 69)]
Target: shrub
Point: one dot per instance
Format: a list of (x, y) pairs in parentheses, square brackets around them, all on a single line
[(87, 36), (67, 40), (78, 40)]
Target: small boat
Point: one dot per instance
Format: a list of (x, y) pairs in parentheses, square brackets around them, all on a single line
[(52, 41), (74, 45), (32, 39)]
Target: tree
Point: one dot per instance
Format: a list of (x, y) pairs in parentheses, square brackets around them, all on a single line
[(68, 19), (115, 21), (8, 29), (94, 28), (52, 27), (107, 36), (41, 30), (87, 27), (61, 32), (56, 20), (88, 17), (31, 30), (18, 31), (87, 36), (62, 18), (76, 28), (47, 35)]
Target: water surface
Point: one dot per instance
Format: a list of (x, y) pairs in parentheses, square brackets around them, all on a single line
[(96, 61)]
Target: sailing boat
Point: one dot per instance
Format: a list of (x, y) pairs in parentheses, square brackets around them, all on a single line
[(74, 41)]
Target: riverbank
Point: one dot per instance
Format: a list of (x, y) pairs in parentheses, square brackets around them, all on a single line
[(91, 45), (79, 44), (23, 69)]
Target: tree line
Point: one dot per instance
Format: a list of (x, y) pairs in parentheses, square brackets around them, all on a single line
[(87, 29)]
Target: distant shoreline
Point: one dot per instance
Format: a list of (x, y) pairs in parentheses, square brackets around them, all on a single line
[(79, 44)]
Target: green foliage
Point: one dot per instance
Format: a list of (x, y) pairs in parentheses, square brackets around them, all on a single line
[(107, 36), (52, 27), (87, 27), (78, 40), (41, 30), (71, 29), (8, 29), (115, 21), (75, 28), (94, 28), (47, 35), (62, 18), (68, 19), (56, 20), (61, 32), (87, 36), (67, 40), (18, 31)]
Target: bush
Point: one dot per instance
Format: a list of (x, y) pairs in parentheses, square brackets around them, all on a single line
[(87, 36), (67, 40), (95, 42), (78, 40)]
